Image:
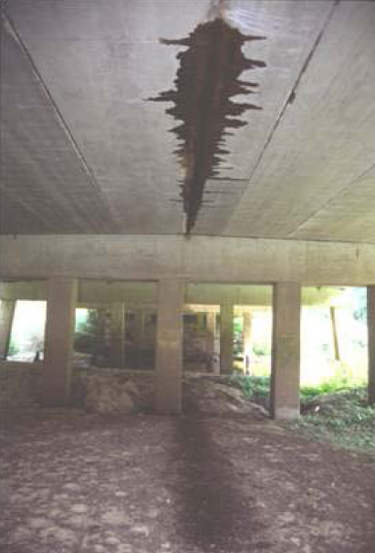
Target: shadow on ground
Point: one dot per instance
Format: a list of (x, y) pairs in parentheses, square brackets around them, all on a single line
[(73, 482), (216, 514)]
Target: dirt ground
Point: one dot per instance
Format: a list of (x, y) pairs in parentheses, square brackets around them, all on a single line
[(85, 483)]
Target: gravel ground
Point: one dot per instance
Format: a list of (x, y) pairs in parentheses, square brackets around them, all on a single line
[(86, 483)]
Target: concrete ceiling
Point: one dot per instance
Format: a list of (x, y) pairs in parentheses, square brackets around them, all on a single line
[(84, 152)]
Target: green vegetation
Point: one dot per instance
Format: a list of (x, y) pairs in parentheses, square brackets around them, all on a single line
[(336, 410), (342, 417), (13, 349), (359, 300), (85, 330), (255, 388), (262, 349)]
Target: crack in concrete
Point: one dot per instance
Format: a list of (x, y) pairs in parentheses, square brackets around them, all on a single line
[(207, 78), (11, 29), (332, 199), (293, 92)]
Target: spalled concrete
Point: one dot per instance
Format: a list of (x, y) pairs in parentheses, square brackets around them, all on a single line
[(80, 151)]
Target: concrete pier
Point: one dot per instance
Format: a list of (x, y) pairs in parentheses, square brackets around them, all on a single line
[(61, 303), (285, 375), (168, 373)]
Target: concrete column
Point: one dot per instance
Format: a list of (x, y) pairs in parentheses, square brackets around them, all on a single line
[(201, 320), (211, 327), (285, 403), (62, 298), (168, 373), (7, 309), (226, 338), (371, 342), (246, 338), (138, 336), (336, 349), (117, 325), (211, 322)]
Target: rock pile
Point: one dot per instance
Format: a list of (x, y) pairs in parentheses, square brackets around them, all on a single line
[(108, 395), (127, 392), (205, 396)]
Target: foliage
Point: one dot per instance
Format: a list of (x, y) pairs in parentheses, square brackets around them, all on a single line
[(13, 349), (360, 304), (336, 410), (255, 388), (262, 349), (343, 417), (85, 334)]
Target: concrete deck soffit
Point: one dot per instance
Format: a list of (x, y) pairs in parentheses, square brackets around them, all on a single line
[(83, 152)]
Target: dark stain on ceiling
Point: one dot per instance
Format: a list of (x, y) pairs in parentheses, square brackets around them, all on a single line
[(206, 80)]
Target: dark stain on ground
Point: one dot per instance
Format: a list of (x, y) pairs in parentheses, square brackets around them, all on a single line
[(206, 80), (132, 482), (210, 496)]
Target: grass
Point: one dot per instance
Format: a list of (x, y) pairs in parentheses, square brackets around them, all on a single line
[(336, 410), (342, 417)]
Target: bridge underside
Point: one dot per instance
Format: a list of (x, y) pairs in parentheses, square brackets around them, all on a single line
[(181, 145)]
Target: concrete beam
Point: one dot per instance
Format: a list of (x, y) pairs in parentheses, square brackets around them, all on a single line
[(371, 342), (285, 376), (128, 292), (200, 258), (7, 308), (93, 293), (168, 372), (62, 297)]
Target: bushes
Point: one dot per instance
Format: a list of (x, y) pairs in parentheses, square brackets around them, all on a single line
[(254, 388), (336, 410)]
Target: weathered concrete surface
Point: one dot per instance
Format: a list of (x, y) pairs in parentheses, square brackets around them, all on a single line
[(36, 142), (7, 308), (202, 258), (19, 384), (62, 298), (168, 369), (80, 155), (121, 44), (135, 294), (117, 338), (285, 370), (315, 178)]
